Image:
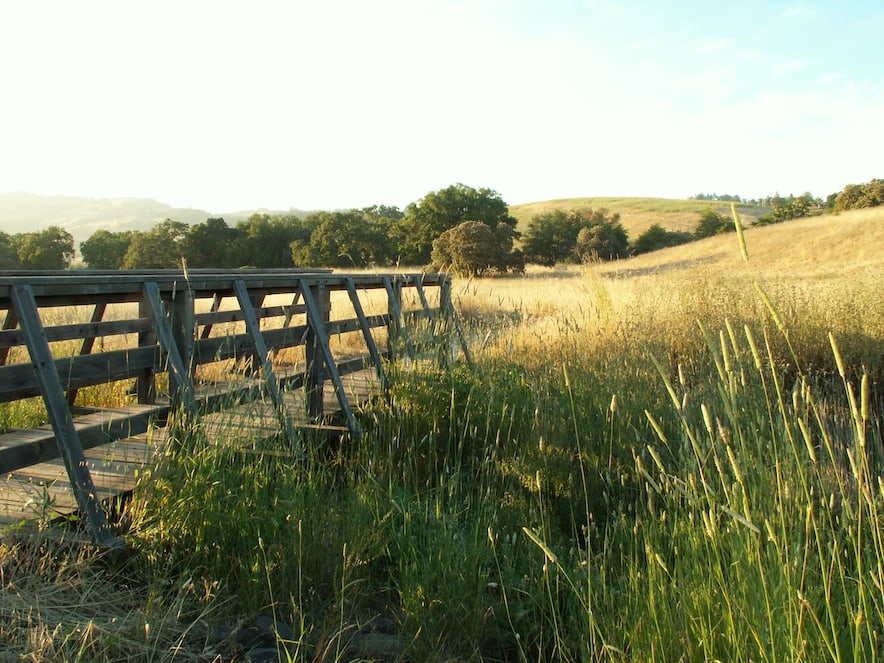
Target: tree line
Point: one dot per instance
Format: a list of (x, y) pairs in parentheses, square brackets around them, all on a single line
[(458, 228), (852, 196)]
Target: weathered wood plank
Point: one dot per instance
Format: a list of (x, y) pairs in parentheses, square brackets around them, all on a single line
[(81, 330), (220, 348), (261, 312), (18, 381), (70, 288), (20, 448), (354, 325)]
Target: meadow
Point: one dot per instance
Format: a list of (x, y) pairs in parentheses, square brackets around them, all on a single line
[(672, 457)]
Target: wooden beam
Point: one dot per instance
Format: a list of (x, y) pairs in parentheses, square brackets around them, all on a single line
[(182, 392), (397, 330), (60, 416), (369, 338), (271, 384), (315, 320)]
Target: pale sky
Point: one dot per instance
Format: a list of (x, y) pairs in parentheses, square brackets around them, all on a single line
[(329, 104)]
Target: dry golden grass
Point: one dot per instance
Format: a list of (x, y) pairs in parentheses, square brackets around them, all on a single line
[(822, 274), (831, 246), (637, 214), (62, 602)]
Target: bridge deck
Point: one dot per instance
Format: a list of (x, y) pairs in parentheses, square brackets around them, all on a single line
[(43, 491)]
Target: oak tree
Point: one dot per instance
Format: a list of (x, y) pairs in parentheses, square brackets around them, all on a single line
[(52, 248), (442, 210), (159, 248), (105, 249)]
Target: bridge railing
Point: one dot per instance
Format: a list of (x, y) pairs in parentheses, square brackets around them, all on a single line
[(173, 341)]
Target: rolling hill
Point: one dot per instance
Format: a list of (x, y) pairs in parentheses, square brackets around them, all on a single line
[(27, 212), (819, 248), (639, 214)]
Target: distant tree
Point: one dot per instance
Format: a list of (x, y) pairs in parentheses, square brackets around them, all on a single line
[(856, 196), (105, 249), (159, 248), (383, 213), (552, 237), (209, 244), (729, 198), (850, 197), (265, 241), (470, 248), (657, 237), (794, 209), (343, 239), (712, 223), (8, 255), (52, 248), (603, 241), (442, 210), (808, 198)]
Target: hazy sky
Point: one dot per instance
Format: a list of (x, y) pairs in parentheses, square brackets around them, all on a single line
[(347, 103)]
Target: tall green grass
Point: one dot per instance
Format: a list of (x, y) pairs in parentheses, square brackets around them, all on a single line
[(754, 532)]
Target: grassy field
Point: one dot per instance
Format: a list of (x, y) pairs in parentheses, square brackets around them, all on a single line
[(639, 214), (673, 457)]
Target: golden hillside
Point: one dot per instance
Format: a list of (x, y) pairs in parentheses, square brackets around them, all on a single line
[(829, 246), (638, 214)]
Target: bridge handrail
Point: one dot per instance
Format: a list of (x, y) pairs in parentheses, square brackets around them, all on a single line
[(160, 327)]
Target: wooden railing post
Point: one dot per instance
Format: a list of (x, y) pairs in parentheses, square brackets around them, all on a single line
[(394, 307), (183, 331), (256, 361), (370, 344), (9, 322), (181, 391), (145, 385), (318, 316), (447, 310), (445, 304), (315, 378), (396, 332)]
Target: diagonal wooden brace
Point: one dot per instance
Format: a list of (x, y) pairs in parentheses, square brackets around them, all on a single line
[(60, 416), (314, 319)]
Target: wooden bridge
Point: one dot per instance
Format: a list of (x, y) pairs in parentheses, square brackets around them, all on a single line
[(181, 348)]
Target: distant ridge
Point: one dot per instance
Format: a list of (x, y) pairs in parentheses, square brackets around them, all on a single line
[(81, 216)]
